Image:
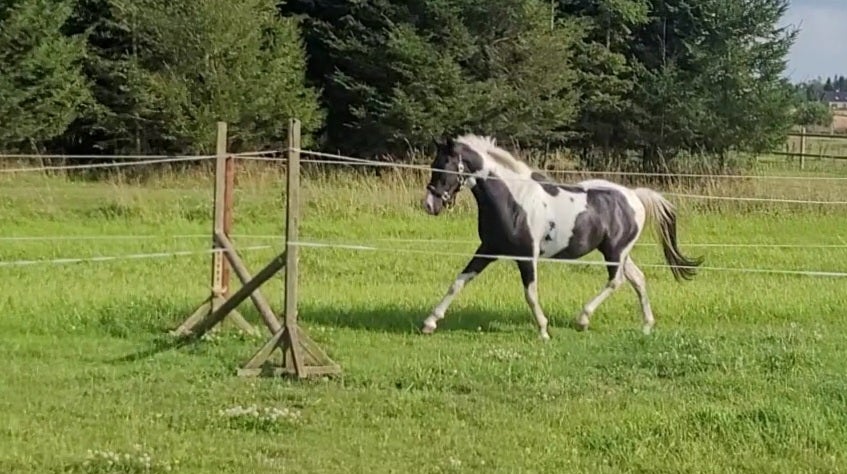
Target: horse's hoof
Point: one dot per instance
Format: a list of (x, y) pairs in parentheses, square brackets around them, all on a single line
[(545, 337), (427, 329), (647, 329), (579, 325)]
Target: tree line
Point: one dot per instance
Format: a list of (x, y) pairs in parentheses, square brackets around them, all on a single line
[(812, 100), (626, 81)]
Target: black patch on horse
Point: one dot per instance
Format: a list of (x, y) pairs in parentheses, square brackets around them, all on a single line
[(502, 222), (472, 160), (553, 188), (547, 236), (548, 187), (608, 224)]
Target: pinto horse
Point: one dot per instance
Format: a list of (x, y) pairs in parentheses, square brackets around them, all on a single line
[(522, 215)]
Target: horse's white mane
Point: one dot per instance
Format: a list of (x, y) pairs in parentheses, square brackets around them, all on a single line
[(487, 146)]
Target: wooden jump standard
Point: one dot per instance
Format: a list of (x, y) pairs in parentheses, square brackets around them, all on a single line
[(301, 356)]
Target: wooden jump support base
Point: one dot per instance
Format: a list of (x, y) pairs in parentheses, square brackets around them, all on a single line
[(301, 356)]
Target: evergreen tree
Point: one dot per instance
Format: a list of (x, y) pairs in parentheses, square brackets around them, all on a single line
[(606, 75), (42, 89), (711, 77), (661, 77), (405, 72), (166, 71)]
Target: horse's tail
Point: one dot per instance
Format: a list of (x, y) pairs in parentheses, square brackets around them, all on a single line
[(664, 219)]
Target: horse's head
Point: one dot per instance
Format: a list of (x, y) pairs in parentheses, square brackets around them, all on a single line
[(447, 177)]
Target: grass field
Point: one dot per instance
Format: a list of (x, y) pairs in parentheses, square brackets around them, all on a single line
[(744, 373)]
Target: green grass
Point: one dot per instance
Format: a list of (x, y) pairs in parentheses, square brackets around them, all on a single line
[(744, 372)]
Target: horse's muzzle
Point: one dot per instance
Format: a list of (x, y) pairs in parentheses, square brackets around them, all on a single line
[(433, 204)]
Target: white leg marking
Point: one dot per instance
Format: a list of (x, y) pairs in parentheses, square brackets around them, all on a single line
[(529, 276), (441, 308), (531, 294), (607, 290), (639, 284)]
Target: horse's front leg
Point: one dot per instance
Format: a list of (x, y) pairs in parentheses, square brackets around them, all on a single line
[(476, 265), (529, 276)]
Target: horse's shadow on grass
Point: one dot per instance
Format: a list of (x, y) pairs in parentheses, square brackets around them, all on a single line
[(380, 318), (160, 344), (376, 319), (384, 319), (398, 320)]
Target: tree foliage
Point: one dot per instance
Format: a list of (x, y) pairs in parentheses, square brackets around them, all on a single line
[(405, 72), (813, 113), (42, 88), (623, 82), (165, 72)]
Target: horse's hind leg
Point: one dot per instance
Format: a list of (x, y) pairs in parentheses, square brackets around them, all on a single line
[(476, 265), (636, 277), (616, 276)]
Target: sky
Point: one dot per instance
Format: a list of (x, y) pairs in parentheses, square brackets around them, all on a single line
[(820, 48)]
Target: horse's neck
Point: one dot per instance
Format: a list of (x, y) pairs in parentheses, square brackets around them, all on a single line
[(489, 199), (515, 182), (491, 168)]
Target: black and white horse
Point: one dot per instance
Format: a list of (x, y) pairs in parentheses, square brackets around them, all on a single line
[(521, 214)]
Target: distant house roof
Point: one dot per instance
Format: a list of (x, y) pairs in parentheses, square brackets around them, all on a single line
[(835, 96)]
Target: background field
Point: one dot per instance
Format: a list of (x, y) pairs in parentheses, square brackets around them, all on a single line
[(745, 372)]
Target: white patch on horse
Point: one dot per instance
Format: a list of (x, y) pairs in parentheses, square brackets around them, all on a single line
[(516, 176), (430, 201), (541, 208), (561, 213)]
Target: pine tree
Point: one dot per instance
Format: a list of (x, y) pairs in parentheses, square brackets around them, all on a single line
[(167, 71), (397, 73), (606, 75), (712, 77), (42, 89)]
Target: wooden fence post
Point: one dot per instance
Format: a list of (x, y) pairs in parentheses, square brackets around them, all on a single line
[(802, 148), (218, 263), (292, 222), (229, 187), (221, 225), (302, 357)]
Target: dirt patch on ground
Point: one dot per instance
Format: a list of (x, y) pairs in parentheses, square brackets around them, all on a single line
[(839, 122)]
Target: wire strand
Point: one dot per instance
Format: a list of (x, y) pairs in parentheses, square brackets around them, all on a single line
[(103, 165), (753, 199), (373, 248), (256, 154), (36, 238), (701, 175), (350, 159), (96, 157), (49, 238), (639, 244), (363, 162), (106, 258)]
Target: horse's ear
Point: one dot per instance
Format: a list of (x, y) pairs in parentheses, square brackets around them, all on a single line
[(442, 142)]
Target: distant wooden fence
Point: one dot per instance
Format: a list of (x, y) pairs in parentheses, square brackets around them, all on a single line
[(804, 151)]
